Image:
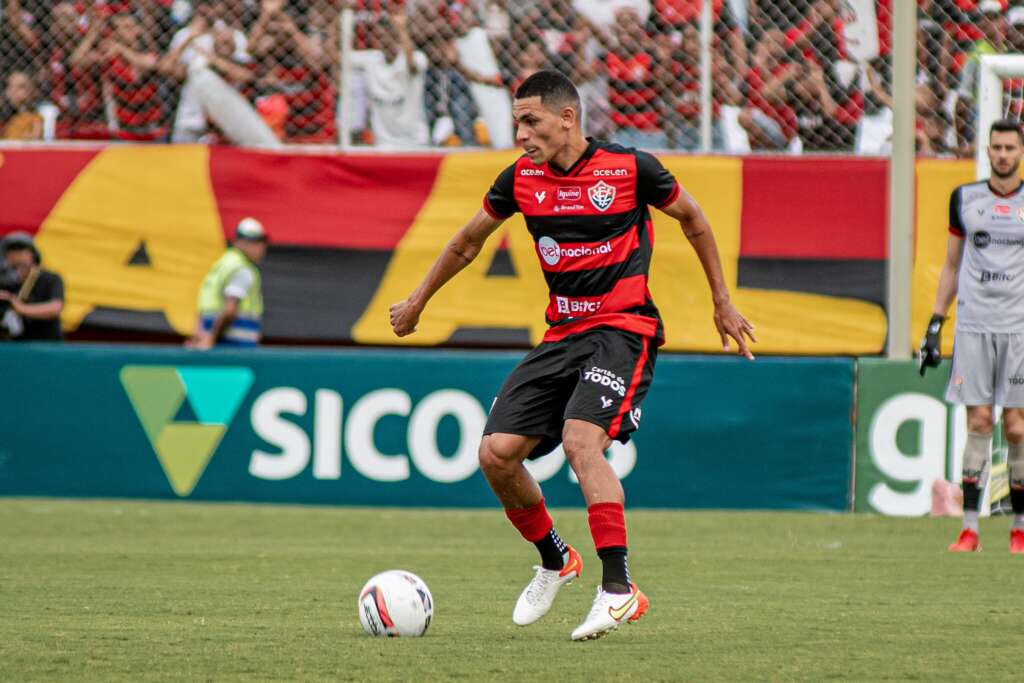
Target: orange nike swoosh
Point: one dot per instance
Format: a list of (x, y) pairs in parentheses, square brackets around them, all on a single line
[(618, 613), (574, 564)]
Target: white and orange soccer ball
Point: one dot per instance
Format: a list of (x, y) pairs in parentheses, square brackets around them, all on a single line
[(395, 603)]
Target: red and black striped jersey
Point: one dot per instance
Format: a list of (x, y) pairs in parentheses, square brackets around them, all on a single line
[(593, 234), (137, 108)]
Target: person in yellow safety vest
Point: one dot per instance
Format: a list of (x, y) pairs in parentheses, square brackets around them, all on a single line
[(231, 298)]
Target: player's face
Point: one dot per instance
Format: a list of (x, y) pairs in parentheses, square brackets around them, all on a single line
[(540, 131), (1004, 153)]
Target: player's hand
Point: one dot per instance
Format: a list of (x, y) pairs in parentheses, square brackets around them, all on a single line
[(930, 354), (730, 323), (404, 317)]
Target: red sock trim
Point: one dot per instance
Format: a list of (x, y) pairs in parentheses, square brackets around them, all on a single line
[(607, 525), (533, 522)]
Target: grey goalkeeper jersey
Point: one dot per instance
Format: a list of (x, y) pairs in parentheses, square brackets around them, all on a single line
[(990, 286)]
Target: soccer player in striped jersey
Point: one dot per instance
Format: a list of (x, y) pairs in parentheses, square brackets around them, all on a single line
[(585, 204)]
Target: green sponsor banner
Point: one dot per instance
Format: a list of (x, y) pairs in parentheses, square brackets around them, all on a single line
[(908, 437), (368, 427)]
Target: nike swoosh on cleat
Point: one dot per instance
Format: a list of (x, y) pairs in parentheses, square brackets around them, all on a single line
[(617, 613), (573, 565)]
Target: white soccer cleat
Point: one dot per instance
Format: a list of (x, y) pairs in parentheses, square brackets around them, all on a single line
[(535, 600), (610, 610)]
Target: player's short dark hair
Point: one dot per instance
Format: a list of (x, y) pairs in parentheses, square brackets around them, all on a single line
[(1008, 126), (554, 89)]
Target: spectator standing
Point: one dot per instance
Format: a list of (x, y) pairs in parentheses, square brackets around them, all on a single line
[(21, 34), (129, 74), (72, 79), (447, 101), (818, 119), (675, 16), (210, 58), (770, 123), (633, 78), (293, 88), (394, 77)]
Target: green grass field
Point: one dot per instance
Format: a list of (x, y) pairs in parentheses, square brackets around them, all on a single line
[(149, 591)]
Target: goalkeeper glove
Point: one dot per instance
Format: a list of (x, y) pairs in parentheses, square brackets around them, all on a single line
[(931, 345)]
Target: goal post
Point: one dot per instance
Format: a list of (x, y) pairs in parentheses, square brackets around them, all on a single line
[(899, 264), (991, 72)]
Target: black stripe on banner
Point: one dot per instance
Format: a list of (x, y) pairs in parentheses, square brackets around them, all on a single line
[(313, 293), (310, 294), (852, 279)]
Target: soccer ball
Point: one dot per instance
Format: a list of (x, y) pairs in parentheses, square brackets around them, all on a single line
[(395, 603)]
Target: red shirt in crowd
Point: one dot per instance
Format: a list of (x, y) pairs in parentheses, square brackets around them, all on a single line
[(631, 91), (137, 107)]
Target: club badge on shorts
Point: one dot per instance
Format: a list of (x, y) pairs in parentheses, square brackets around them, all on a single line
[(601, 195)]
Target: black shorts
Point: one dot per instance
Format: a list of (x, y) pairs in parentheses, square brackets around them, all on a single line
[(600, 376)]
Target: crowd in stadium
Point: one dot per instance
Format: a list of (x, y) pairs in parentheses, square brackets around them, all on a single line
[(267, 71)]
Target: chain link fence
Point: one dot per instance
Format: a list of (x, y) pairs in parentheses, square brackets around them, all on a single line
[(751, 76)]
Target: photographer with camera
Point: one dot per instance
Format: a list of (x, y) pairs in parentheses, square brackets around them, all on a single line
[(31, 298)]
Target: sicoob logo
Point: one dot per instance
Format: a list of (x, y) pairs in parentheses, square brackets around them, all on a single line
[(601, 195)]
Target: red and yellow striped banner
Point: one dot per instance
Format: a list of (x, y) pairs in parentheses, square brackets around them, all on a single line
[(133, 230)]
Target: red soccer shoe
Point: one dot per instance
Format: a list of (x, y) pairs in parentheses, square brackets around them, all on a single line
[(968, 542), (1017, 541)]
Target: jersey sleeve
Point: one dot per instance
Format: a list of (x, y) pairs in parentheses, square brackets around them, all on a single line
[(654, 184), (956, 221), (500, 200)]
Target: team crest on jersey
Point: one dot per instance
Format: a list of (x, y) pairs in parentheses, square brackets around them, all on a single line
[(601, 195)]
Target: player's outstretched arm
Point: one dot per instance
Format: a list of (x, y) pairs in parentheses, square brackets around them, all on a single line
[(931, 345), (728, 320), (457, 254)]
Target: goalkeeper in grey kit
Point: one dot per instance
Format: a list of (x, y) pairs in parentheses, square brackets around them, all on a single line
[(984, 271)]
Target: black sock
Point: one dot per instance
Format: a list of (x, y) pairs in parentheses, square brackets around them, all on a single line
[(616, 574), (552, 550), (1017, 501), (972, 494)]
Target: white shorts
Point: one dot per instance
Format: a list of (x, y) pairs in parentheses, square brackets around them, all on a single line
[(988, 369)]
